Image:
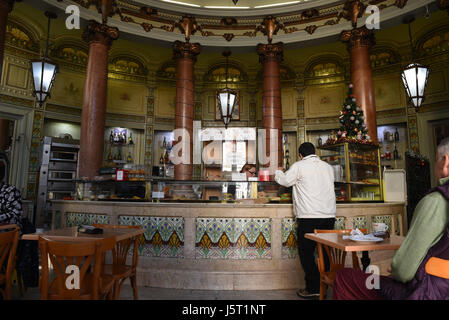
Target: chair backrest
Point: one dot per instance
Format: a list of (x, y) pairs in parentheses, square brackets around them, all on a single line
[(438, 267), (122, 247), (8, 248), (63, 254), (336, 256)]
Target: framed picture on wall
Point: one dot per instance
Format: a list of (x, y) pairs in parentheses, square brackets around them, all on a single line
[(236, 111)]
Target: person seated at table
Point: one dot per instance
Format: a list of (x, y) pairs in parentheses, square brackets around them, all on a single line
[(427, 237), (11, 210)]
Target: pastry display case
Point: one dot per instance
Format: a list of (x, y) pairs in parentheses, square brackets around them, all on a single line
[(189, 191), (357, 171)]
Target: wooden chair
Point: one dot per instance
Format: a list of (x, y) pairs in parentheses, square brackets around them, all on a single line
[(80, 254), (438, 267), (8, 248), (337, 260), (119, 269)]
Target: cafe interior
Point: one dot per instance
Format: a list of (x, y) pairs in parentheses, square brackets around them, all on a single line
[(126, 125)]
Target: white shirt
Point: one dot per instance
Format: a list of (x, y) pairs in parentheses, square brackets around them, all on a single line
[(313, 187)]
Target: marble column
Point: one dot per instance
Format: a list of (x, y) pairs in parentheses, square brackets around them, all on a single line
[(100, 37), (271, 55), (185, 54), (5, 9), (359, 42)]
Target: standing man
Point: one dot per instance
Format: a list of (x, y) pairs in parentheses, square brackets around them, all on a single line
[(314, 206)]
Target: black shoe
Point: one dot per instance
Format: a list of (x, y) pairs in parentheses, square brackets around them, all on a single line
[(303, 293)]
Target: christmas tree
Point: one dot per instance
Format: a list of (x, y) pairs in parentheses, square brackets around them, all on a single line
[(352, 124)]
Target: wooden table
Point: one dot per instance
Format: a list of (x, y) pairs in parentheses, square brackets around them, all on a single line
[(336, 240), (72, 234)]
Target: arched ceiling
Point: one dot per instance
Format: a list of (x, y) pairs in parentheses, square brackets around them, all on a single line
[(299, 22)]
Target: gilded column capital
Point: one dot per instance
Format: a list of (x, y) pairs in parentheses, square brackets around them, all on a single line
[(358, 37), (186, 50), (99, 32), (270, 51)]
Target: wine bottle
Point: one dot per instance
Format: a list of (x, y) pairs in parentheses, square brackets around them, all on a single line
[(129, 159), (161, 160), (130, 141), (111, 137), (395, 153), (320, 142), (396, 135), (164, 144)]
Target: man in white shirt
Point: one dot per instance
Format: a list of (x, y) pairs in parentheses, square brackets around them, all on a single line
[(314, 206)]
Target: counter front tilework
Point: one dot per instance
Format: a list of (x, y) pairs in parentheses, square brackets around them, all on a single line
[(289, 238), (164, 236), (73, 219), (233, 238)]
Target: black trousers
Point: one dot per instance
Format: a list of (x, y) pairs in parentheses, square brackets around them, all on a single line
[(306, 250)]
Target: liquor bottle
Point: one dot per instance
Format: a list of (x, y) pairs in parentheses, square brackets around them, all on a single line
[(119, 155), (320, 142), (111, 137), (110, 155), (161, 159), (396, 135), (130, 141), (129, 159), (395, 153), (164, 144)]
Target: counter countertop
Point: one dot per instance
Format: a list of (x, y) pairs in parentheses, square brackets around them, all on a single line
[(196, 205)]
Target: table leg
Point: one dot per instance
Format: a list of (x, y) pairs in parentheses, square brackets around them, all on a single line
[(365, 260)]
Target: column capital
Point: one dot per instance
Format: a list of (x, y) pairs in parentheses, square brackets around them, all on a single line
[(99, 32), (186, 50), (270, 51), (358, 37)]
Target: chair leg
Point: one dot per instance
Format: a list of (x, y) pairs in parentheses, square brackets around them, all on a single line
[(117, 290), (323, 289), (133, 280)]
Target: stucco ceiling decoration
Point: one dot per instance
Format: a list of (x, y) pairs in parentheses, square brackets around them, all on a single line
[(305, 21)]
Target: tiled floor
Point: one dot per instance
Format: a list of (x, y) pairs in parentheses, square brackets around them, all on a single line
[(148, 293)]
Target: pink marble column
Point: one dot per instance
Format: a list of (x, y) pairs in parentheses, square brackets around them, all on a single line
[(271, 55), (359, 42), (185, 54), (100, 37)]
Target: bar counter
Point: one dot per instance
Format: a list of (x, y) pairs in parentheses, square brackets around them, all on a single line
[(222, 246)]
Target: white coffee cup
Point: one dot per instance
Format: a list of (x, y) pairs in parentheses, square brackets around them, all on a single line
[(380, 227), (39, 230)]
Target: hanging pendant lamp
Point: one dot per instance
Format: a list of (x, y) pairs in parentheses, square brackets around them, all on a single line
[(414, 76), (226, 97), (44, 70)]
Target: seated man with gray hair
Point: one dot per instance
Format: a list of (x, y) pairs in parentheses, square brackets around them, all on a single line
[(427, 237)]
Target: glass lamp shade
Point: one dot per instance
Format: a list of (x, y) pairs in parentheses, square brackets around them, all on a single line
[(44, 72), (226, 100), (415, 77)]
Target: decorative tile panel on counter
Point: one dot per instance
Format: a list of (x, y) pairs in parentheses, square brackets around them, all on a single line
[(73, 219), (360, 222), (289, 239), (233, 238), (164, 236), (340, 223)]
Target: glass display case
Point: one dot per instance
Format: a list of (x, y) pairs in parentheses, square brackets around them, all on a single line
[(357, 171), (194, 191)]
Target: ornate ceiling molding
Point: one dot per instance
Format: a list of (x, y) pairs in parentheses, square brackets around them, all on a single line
[(304, 23)]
